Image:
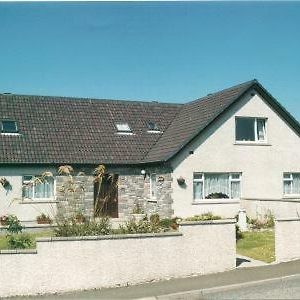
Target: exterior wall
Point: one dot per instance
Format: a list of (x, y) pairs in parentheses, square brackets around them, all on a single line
[(81, 200), (287, 239), (11, 200), (107, 261), (134, 188), (262, 166)]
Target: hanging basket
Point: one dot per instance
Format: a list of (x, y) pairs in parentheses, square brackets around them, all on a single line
[(181, 180)]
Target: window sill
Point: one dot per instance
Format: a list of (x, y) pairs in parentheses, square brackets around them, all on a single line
[(216, 201), (38, 201), (251, 143), (292, 196)]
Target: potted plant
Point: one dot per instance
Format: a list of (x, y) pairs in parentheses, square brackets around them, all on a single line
[(43, 219), (5, 183), (138, 213), (181, 180), (3, 220)]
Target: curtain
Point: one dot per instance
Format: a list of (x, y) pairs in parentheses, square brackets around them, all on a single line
[(198, 190), (261, 129), (296, 183), (216, 183), (235, 189), (45, 189)]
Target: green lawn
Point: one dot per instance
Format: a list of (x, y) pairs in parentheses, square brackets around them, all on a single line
[(259, 245), (34, 235)]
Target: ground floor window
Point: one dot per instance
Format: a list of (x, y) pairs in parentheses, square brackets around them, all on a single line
[(291, 183), (34, 187), (216, 185), (153, 187)]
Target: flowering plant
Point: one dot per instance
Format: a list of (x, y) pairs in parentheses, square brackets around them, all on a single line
[(3, 220)]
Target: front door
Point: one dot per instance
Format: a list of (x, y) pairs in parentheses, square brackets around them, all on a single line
[(106, 196)]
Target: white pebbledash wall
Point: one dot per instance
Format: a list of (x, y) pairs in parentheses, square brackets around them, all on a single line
[(287, 239), (63, 265), (261, 165), (11, 200)]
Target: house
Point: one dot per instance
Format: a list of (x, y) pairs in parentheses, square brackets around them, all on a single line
[(235, 148)]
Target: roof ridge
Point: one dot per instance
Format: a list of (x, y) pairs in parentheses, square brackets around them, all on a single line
[(67, 98), (246, 83)]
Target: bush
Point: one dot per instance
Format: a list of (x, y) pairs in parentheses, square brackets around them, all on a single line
[(13, 224), (151, 225), (238, 234), (19, 241), (71, 227), (266, 222), (204, 217)]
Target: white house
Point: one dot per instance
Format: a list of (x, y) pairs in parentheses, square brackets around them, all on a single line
[(235, 148)]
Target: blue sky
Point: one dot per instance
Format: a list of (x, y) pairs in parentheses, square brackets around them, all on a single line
[(171, 52)]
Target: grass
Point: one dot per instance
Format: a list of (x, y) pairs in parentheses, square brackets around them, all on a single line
[(34, 236), (259, 245)]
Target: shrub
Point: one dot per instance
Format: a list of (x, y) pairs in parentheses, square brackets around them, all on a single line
[(238, 234), (19, 241), (148, 225), (13, 224), (71, 227), (204, 217), (266, 222)]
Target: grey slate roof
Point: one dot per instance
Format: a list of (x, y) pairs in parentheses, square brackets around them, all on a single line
[(59, 130)]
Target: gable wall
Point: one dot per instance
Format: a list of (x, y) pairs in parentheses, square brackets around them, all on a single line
[(262, 166)]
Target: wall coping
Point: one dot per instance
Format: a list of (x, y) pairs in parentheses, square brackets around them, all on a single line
[(109, 237), (208, 222), (18, 251), (287, 219)]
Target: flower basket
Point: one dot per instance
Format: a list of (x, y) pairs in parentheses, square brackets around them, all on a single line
[(181, 180)]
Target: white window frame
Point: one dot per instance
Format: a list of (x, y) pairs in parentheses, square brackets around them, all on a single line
[(256, 140), (202, 179), (33, 189), (291, 180), (153, 197)]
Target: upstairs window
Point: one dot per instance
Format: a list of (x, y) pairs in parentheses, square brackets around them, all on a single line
[(123, 128), (250, 130), (9, 126), (152, 127)]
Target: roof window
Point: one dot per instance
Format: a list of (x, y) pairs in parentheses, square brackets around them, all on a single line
[(123, 128), (152, 127), (9, 126)]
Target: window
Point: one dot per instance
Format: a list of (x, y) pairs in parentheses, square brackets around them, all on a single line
[(152, 127), (291, 183), (250, 129), (36, 188), (9, 126), (153, 188), (123, 128), (206, 184)]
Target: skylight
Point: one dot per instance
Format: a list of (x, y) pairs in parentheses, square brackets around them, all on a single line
[(152, 127), (123, 128), (9, 126)]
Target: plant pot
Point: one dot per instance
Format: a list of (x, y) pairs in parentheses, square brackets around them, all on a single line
[(44, 221)]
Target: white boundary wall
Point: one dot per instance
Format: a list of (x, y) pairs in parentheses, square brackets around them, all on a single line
[(287, 239), (66, 264)]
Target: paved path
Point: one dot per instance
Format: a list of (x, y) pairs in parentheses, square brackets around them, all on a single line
[(151, 290)]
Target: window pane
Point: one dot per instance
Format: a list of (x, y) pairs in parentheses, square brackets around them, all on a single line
[(44, 189), (296, 184), (235, 189), (235, 176), (287, 187), (198, 176), (198, 190), (287, 176), (261, 129), (245, 129), (9, 127), (216, 183)]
